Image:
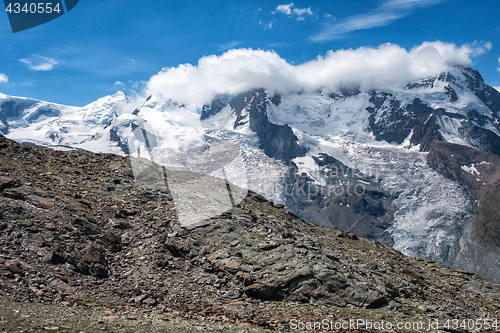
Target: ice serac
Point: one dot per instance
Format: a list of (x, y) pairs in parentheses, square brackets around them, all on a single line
[(350, 158)]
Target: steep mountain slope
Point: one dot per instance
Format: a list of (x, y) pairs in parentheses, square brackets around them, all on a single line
[(479, 172), (76, 228), (348, 158)]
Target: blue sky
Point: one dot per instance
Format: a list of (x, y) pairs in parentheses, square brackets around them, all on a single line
[(103, 46)]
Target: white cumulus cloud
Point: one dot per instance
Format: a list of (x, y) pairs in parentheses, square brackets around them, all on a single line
[(285, 9), (238, 70), (39, 63), (4, 78), (497, 88), (290, 9), (302, 11)]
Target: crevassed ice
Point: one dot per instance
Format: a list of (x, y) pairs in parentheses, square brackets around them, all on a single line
[(432, 211)]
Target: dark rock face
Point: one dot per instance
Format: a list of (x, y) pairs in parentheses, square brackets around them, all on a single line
[(480, 138), (393, 124), (147, 138), (388, 127), (426, 132), (349, 201), (66, 237), (216, 106), (389, 122), (277, 141), (113, 136), (472, 168)]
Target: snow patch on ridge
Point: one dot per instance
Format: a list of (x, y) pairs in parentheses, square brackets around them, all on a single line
[(470, 169)]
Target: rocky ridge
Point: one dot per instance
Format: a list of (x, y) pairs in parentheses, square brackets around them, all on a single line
[(76, 229)]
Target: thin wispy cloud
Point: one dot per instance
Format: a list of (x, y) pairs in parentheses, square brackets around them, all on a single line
[(480, 47), (230, 45), (385, 14), (291, 10), (4, 78), (119, 84), (266, 26), (39, 63), (277, 45)]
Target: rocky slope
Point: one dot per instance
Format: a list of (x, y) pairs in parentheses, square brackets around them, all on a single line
[(77, 229)]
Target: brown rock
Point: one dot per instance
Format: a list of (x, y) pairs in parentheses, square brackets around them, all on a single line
[(177, 247), (261, 290), (14, 267), (37, 291), (93, 262), (140, 298), (62, 286), (149, 301)]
